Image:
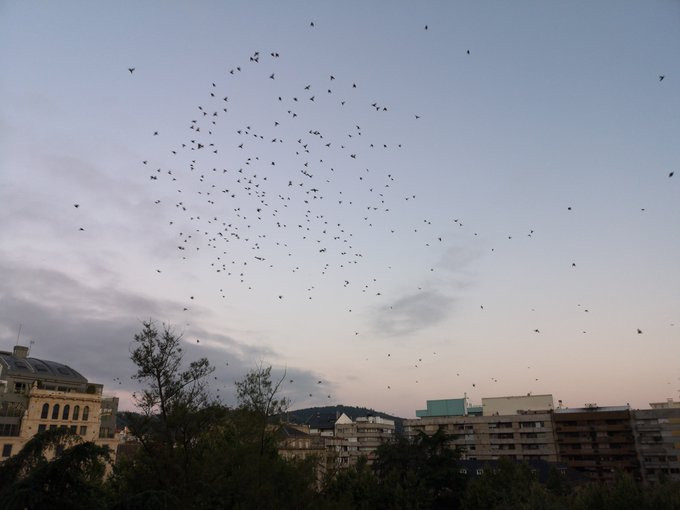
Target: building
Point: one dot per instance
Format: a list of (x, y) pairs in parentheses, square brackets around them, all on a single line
[(366, 433), (500, 406), (37, 395), (668, 404), (657, 438), (598, 441), (526, 433)]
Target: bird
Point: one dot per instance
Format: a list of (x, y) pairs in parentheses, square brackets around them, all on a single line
[(639, 331), (661, 77), (76, 205), (131, 69), (425, 27), (671, 174)]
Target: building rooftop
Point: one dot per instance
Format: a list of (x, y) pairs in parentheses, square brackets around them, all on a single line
[(592, 408), (17, 363)]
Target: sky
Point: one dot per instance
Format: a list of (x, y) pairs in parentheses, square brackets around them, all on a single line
[(389, 201)]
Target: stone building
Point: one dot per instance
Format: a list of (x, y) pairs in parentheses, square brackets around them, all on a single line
[(37, 395)]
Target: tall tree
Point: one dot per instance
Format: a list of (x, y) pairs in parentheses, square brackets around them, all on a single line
[(259, 396), (177, 416)]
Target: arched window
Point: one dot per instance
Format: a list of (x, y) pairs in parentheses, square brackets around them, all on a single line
[(55, 412), (76, 412), (45, 411), (86, 413), (64, 415)]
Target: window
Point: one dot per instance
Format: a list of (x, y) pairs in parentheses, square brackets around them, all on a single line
[(73, 429), (41, 428), (6, 450), (463, 471), (55, 412), (76, 412), (64, 415), (83, 428), (45, 411), (86, 413), (9, 429), (480, 472), (53, 427)]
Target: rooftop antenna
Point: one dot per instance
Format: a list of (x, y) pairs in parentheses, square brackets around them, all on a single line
[(30, 344), (19, 333)]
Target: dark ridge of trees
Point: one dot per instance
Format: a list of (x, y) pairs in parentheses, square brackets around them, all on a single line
[(311, 414)]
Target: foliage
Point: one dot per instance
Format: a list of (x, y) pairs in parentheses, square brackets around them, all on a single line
[(55, 469), (258, 396), (509, 484), (158, 357)]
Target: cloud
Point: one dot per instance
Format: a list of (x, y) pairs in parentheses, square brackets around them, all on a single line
[(91, 328), (435, 300), (413, 312)]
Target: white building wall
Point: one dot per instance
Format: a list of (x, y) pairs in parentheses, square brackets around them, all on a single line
[(494, 406)]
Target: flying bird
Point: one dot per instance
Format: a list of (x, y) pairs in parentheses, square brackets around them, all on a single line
[(131, 69)]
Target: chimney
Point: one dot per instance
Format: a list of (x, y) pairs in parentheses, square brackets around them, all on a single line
[(20, 351)]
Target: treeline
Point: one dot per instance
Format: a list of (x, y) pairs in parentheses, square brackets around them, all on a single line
[(194, 453)]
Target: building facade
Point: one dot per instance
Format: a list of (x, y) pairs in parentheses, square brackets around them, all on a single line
[(657, 438), (526, 436), (38, 395), (598, 441)]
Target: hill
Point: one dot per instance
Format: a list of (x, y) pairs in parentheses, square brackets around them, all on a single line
[(325, 416)]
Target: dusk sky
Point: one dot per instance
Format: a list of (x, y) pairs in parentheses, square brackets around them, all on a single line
[(403, 200)]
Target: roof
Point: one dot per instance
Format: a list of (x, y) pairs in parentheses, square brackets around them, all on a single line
[(291, 431), (591, 409), (38, 368)]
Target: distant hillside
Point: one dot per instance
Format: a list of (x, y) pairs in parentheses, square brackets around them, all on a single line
[(326, 415), (314, 416)]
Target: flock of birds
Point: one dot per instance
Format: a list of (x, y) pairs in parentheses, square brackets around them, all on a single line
[(299, 193)]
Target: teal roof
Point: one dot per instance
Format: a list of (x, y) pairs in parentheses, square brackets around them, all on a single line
[(475, 410), (446, 407)]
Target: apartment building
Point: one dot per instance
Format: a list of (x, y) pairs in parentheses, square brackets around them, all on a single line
[(524, 434), (657, 438), (38, 394), (367, 433), (598, 441)]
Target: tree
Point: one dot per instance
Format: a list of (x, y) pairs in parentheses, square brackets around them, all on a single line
[(257, 395), (55, 469), (178, 416), (158, 357), (421, 472)]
